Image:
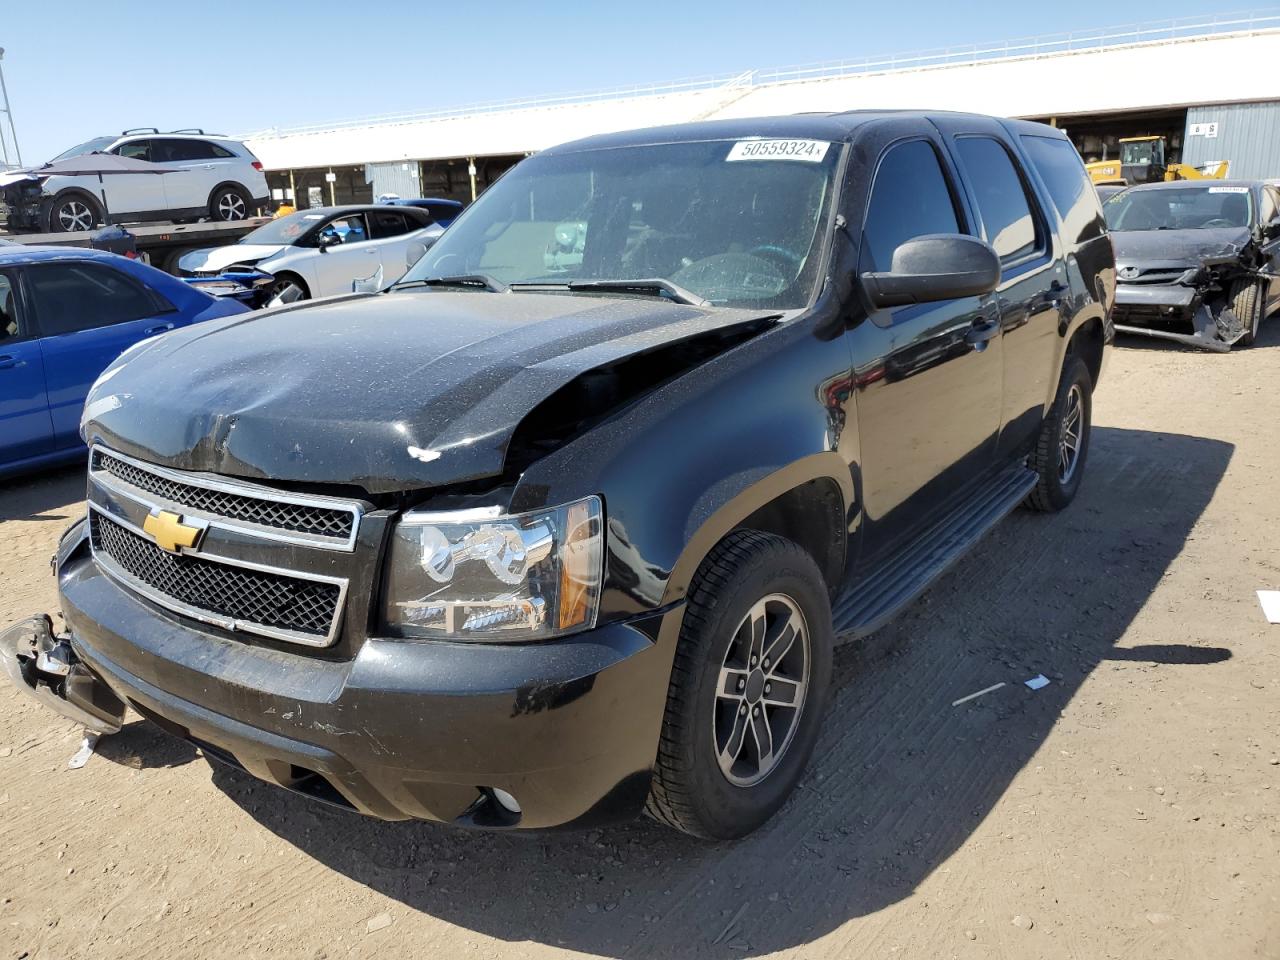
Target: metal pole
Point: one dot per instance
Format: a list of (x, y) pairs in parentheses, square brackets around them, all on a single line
[(471, 171), (8, 113), (292, 199), (333, 184)]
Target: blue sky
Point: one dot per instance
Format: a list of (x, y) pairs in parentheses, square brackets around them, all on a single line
[(235, 66)]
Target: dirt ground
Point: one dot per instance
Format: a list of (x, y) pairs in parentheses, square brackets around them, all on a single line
[(1128, 810)]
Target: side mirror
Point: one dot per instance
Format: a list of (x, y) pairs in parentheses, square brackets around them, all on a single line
[(327, 240), (942, 266)]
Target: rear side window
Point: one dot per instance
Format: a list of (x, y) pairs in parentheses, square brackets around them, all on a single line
[(1067, 181), (383, 223), (178, 151), (1001, 197), (910, 198), (219, 151), (68, 297)]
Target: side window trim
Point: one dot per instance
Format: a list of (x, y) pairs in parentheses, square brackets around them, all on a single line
[(26, 319), (1043, 253), (33, 310)]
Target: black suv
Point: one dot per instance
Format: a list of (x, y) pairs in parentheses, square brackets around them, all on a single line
[(564, 525)]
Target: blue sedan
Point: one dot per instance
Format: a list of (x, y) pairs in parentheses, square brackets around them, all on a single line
[(65, 314)]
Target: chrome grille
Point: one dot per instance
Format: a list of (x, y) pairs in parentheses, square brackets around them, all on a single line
[(237, 597), (280, 514)]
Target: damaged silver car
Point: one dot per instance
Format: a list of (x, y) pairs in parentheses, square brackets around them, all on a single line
[(1196, 263)]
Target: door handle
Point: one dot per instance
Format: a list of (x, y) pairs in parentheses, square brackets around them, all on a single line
[(980, 333), (159, 328), (8, 363)]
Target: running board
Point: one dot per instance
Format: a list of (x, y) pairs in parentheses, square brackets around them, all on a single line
[(878, 598)]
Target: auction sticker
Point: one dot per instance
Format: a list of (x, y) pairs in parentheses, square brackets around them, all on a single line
[(1228, 189), (811, 151)]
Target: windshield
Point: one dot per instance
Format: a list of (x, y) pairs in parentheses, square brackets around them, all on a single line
[(89, 146), (734, 222), (1144, 152), (1182, 208), (284, 229)]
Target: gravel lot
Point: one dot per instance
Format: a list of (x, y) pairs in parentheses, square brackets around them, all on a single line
[(1127, 810)]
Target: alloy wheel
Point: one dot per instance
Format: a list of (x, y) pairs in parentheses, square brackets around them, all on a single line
[(761, 690), (75, 215), (231, 207), (1072, 430)]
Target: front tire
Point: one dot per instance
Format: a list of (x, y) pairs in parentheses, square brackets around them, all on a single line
[(1248, 302), (73, 212), (748, 688), (229, 204), (1063, 445)]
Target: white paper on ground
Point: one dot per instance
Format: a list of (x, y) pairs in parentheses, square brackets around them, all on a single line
[(1038, 681), (1270, 600)]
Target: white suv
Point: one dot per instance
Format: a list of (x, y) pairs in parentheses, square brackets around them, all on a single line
[(214, 177)]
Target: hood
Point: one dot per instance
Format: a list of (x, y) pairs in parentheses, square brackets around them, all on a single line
[(15, 176), (388, 392), (217, 259), (1175, 248)]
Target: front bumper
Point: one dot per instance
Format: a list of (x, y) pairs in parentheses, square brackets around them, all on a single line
[(1168, 312), (568, 728)]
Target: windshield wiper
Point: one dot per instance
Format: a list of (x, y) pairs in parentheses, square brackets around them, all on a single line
[(652, 286), (482, 280)]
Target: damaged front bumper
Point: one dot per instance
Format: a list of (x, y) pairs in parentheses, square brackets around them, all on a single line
[(1177, 312), (26, 205), (44, 666), (429, 730)]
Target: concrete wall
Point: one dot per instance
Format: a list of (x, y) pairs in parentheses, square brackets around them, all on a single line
[(1248, 137)]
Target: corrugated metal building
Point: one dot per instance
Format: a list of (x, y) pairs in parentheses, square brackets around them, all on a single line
[(1247, 135)]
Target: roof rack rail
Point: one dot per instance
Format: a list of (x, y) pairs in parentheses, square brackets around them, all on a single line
[(195, 130), (133, 130)]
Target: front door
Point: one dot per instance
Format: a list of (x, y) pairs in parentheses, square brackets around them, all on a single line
[(351, 256), (928, 382), (88, 315), (25, 428), (135, 192)]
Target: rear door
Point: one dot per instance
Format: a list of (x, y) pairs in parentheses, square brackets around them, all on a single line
[(1269, 217), (25, 427), (928, 379), (88, 314), (193, 175), (1033, 283), (398, 241)]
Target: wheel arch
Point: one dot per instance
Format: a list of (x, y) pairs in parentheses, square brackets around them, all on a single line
[(235, 185), (95, 203)]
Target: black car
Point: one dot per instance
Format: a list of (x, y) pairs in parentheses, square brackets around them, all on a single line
[(1197, 261), (443, 212), (564, 525)]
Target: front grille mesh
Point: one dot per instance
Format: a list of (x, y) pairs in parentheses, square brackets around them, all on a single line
[(266, 599), (294, 517)]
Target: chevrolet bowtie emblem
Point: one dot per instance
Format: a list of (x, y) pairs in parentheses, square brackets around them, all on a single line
[(169, 532)]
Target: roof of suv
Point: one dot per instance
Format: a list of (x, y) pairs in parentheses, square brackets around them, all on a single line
[(815, 126)]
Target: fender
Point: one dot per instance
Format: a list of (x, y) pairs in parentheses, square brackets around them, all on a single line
[(1091, 277), (745, 427)]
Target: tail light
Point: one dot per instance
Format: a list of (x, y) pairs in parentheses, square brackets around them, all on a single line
[(257, 165)]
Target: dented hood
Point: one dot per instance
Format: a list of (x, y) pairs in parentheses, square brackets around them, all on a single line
[(389, 392), (1178, 247), (217, 259)]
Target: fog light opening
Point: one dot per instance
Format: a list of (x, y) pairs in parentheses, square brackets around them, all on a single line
[(505, 800)]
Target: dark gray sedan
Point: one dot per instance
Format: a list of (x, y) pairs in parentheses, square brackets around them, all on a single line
[(1197, 261)]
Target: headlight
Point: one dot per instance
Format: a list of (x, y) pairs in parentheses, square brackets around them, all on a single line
[(474, 575)]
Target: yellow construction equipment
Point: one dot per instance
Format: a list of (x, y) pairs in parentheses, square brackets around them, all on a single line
[(1142, 160)]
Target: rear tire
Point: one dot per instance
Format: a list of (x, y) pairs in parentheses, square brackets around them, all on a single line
[(228, 204), (72, 212), (1248, 302), (731, 750), (1063, 445)]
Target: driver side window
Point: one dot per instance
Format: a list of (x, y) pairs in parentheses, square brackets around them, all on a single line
[(348, 229), (910, 198)]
